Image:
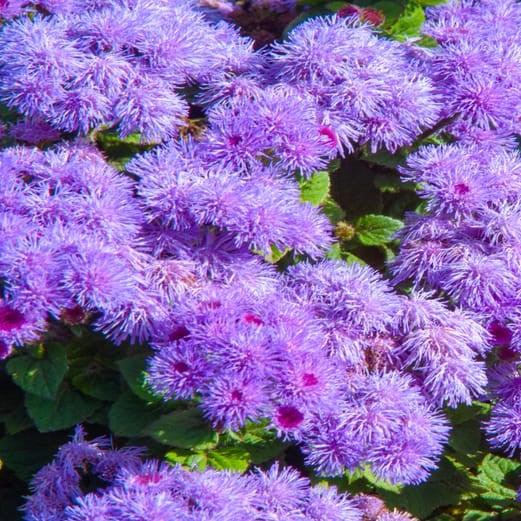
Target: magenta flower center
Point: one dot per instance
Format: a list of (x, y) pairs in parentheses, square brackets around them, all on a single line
[(10, 319), (309, 379), (236, 395), (177, 333), (461, 189), (250, 318), (329, 134), (289, 417), (181, 367), (234, 140), (501, 335), (148, 479)]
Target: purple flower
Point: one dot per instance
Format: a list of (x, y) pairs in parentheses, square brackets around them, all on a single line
[(229, 402), (33, 132), (327, 503), (504, 426), (150, 107), (330, 446)]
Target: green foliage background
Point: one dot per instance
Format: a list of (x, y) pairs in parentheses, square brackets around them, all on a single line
[(75, 376)]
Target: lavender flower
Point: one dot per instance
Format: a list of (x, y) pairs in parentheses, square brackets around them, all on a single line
[(140, 489), (115, 64), (478, 83), (366, 89)]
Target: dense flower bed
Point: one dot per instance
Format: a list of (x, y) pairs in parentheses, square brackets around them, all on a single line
[(276, 246)]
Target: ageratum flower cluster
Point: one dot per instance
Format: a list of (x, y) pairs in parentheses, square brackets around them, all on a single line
[(114, 63), (132, 489), (172, 254), (476, 67), (467, 245), (126, 63)]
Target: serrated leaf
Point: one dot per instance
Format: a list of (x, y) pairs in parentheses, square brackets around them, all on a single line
[(186, 429), (66, 410), (187, 458), (375, 230), (333, 210), (40, 376), (133, 371), (129, 416), (315, 190), (492, 476), (229, 458), (409, 23)]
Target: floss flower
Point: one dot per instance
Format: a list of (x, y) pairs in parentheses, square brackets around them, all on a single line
[(131, 489)]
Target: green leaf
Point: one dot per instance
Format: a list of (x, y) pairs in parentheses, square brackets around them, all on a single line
[(67, 409), (186, 429), (40, 376), (333, 210), (391, 183), (315, 190), (335, 5), (229, 458), (464, 413), (445, 487), (261, 444), (129, 416), (16, 421), (409, 22), (262, 452), (28, 451), (380, 483), (375, 230), (336, 253), (275, 255), (120, 150), (493, 474), (424, 499), (477, 515), (466, 437), (98, 384), (188, 458), (390, 9), (133, 371), (427, 3), (384, 158)]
